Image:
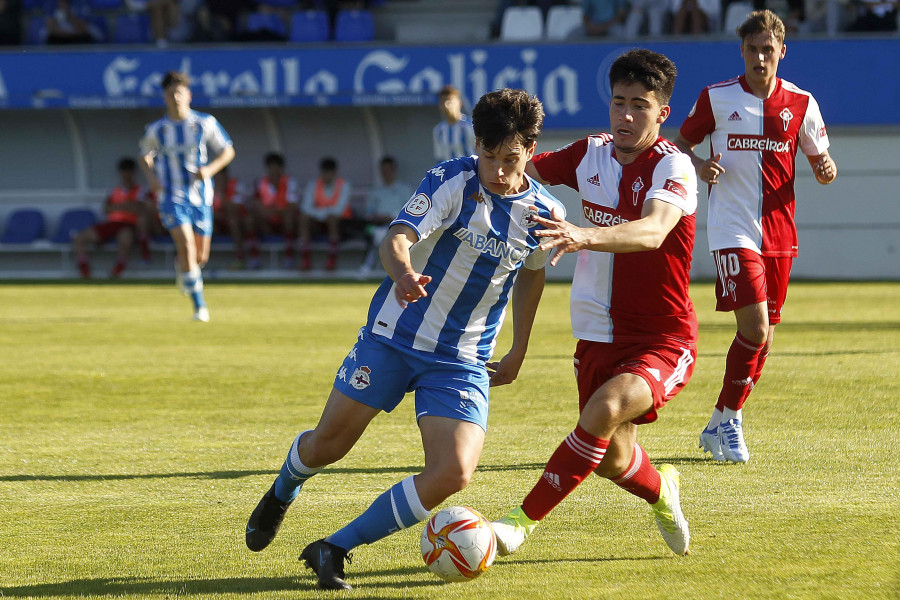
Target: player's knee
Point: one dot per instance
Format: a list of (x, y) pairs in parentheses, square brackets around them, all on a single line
[(449, 481)]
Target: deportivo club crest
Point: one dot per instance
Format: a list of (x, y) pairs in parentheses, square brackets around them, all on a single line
[(360, 379), (786, 116)]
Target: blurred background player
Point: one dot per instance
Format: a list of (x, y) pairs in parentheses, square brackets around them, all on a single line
[(181, 152), (756, 123), (229, 211), (385, 200), (631, 312), (122, 207), (326, 202), (274, 210), (453, 136), (462, 247)]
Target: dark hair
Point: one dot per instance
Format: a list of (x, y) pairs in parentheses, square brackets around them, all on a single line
[(652, 70), (760, 21), (274, 158), (388, 160), (506, 114), (175, 78), (448, 90), (328, 164), (127, 164)]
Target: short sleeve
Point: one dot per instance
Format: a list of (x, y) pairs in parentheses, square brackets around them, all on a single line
[(675, 182), (700, 121), (149, 143), (813, 137), (437, 197), (558, 167), (218, 139)]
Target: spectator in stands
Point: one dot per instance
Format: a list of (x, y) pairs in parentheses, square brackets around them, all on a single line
[(229, 212), (10, 22), (217, 20), (274, 209), (453, 136), (65, 27), (875, 15), (604, 18), (655, 12), (326, 202), (795, 17), (180, 154), (695, 16), (384, 203), (170, 20), (122, 207)]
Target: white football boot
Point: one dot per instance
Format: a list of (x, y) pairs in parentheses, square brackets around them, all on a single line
[(731, 440), (709, 442)]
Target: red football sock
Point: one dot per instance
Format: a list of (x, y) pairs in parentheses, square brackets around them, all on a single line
[(253, 245), (119, 267), (83, 266), (759, 366), (740, 367), (573, 461), (640, 478)]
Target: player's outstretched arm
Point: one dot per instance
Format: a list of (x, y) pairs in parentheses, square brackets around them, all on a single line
[(526, 296), (823, 167), (409, 284)]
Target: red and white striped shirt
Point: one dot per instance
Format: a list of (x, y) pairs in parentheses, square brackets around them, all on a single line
[(634, 296), (752, 206)]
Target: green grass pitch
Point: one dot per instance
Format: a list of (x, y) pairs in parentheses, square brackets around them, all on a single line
[(134, 444)]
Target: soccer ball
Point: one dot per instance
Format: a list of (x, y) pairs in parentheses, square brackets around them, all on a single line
[(458, 544)]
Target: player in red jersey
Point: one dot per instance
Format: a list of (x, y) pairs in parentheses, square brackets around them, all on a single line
[(274, 209), (122, 208), (756, 123), (630, 307)]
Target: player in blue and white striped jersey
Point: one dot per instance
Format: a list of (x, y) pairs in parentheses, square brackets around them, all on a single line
[(461, 249), (454, 136), (180, 154)]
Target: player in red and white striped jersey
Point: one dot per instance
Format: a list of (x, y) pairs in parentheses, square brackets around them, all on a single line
[(630, 307), (755, 123)]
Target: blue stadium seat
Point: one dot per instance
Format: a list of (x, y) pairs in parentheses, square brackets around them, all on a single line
[(310, 26), (279, 3), (23, 227), (354, 26), (71, 222), (132, 29), (107, 4), (44, 6), (36, 31), (99, 27), (269, 23)]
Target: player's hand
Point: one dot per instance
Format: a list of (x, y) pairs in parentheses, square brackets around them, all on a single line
[(825, 169), (506, 370), (560, 234), (711, 169), (410, 287), (201, 173)]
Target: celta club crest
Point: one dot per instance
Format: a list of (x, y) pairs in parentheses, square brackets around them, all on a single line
[(360, 379), (786, 116), (730, 289), (636, 188)]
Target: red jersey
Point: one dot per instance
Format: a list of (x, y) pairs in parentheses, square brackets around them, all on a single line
[(120, 195), (752, 206), (278, 195), (634, 296)]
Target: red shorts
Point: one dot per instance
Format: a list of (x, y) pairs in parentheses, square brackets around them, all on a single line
[(745, 278), (666, 367), (108, 230)]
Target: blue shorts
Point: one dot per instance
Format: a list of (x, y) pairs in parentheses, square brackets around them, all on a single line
[(176, 214), (378, 374)]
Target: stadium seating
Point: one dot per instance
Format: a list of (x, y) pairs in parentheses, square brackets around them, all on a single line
[(24, 226), (279, 3), (71, 222), (99, 27), (35, 31), (354, 26), (260, 23), (735, 14), (310, 26), (101, 5), (563, 20), (522, 24), (132, 29)]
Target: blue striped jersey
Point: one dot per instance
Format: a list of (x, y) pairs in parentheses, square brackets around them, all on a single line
[(453, 141), (179, 148), (472, 243)]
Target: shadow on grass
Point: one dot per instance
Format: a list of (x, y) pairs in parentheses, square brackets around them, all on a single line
[(247, 473), (125, 586)]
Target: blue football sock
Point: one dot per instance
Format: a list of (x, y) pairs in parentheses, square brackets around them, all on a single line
[(293, 474), (192, 282), (395, 509)]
